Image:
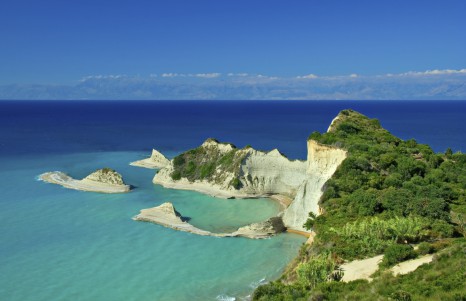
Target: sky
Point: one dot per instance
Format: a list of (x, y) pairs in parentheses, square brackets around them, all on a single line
[(62, 42)]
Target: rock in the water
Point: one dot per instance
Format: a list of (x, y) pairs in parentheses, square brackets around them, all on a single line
[(272, 226), (106, 175), (104, 180), (156, 160)]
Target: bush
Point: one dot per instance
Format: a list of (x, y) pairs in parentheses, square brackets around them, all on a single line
[(401, 296), (397, 253), (235, 183), (176, 175), (425, 248), (317, 270)]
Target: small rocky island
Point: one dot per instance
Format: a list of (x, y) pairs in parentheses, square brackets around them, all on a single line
[(104, 180), (156, 161)]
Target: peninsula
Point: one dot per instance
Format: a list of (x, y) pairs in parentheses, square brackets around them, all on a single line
[(104, 180)]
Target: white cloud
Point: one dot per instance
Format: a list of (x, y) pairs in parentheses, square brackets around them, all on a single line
[(431, 72), (207, 75), (353, 75), (171, 74), (110, 76), (309, 76), (238, 74)]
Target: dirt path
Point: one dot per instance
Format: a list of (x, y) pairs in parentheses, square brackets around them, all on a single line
[(362, 269)]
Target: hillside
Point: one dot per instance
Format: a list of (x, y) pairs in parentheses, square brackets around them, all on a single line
[(385, 196)]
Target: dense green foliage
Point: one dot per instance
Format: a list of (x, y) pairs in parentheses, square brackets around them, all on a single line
[(386, 177), (202, 162), (386, 194), (397, 253), (370, 236)]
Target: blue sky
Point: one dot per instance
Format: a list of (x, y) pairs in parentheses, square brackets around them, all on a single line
[(60, 42)]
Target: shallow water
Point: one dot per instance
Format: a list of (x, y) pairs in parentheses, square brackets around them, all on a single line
[(61, 244)]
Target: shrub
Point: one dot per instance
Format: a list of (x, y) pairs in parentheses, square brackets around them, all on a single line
[(317, 270), (176, 175), (425, 248), (235, 183), (397, 253), (178, 160), (401, 296)]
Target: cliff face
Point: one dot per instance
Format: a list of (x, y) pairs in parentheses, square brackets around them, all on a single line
[(235, 172), (271, 173), (322, 162)]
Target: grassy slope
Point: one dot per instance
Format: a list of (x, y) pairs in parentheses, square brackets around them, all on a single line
[(388, 192)]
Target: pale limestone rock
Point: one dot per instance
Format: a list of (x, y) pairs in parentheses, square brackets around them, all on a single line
[(270, 227), (103, 180), (155, 161), (260, 173), (107, 176), (271, 173), (322, 162)]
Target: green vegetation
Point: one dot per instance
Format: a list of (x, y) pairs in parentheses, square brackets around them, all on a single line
[(202, 162), (387, 194), (397, 253), (442, 280)]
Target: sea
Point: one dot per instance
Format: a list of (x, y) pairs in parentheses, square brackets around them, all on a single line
[(62, 244)]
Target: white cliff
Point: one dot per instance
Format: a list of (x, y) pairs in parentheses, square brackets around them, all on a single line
[(271, 173), (322, 162), (155, 161)]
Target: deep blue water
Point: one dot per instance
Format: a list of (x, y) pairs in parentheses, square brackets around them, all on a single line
[(60, 244), (77, 126)]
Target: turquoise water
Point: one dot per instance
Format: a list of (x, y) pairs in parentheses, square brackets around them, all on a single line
[(61, 244)]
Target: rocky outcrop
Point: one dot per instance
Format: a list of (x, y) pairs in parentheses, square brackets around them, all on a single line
[(251, 173), (155, 161), (104, 180), (263, 229), (166, 215), (322, 162), (105, 176)]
